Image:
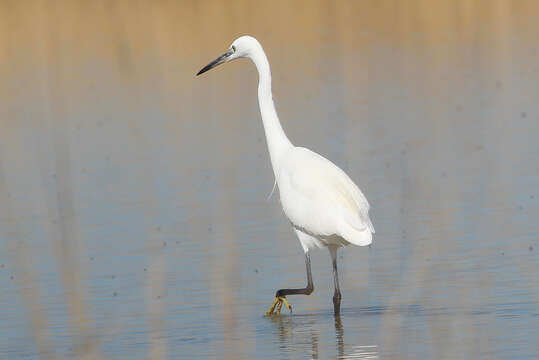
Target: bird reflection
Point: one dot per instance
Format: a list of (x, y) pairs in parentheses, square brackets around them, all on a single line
[(357, 352), (339, 334), (302, 333)]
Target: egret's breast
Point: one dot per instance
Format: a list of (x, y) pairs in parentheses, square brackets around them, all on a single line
[(301, 201)]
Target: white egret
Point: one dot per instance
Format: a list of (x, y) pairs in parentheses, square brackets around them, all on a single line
[(323, 204)]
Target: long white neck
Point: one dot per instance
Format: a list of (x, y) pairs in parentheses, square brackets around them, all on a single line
[(276, 138)]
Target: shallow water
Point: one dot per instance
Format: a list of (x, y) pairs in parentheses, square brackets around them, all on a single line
[(134, 216)]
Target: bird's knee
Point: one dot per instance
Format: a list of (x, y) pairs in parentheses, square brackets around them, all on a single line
[(310, 289)]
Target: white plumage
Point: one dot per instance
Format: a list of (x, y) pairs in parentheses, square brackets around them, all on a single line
[(322, 201), (323, 204)]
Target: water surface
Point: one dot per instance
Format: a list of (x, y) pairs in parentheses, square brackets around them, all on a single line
[(134, 216)]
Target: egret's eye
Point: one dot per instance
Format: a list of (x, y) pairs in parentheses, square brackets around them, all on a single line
[(233, 48)]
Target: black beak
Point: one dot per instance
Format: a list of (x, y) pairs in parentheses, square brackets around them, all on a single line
[(221, 59)]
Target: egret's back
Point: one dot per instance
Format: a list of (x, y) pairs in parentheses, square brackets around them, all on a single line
[(318, 197)]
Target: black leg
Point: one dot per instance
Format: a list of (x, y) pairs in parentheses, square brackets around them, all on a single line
[(337, 295), (280, 295), (303, 291)]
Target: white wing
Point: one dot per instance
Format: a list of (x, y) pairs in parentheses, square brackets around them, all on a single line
[(320, 198)]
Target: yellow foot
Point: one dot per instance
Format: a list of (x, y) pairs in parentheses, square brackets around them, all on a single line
[(277, 305)]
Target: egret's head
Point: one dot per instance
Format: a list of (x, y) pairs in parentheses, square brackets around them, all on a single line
[(242, 47)]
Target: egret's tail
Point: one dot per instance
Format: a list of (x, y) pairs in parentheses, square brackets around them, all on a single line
[(357, 237)]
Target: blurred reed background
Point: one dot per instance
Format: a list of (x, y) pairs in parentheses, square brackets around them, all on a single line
[(133, 212)]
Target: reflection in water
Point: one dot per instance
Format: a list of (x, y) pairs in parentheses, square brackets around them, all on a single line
[(291, 333), (356, 351), (362, 352), (339, 333), (300, 336)]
